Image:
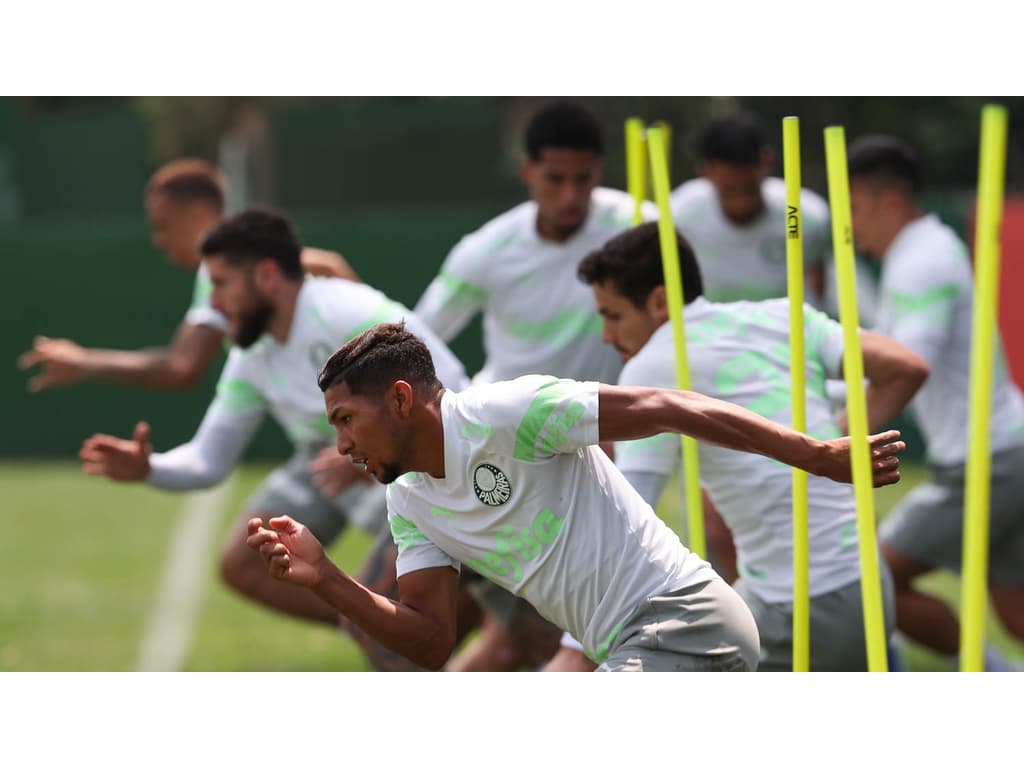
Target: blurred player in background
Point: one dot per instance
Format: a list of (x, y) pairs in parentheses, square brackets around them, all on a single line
[(519, 270), (926, 303), (739, 352), (184, 200), (284, 327)]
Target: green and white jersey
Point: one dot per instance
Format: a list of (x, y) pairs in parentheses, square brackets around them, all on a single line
[(740, 352), (281, 379), (926, 303), (538, 317), (529, 501), (749, 261), (200, 312)]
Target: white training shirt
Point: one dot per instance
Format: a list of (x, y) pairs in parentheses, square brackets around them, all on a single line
[(740, 352), (748, 261), (926, 303), (531, 503), (539, 317), (281, 379), (200, 312)]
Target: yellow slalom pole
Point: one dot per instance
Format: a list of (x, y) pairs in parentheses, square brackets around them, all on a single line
[(974, 573), (674, 291), (797, 370), (636, 165), (666, 132), (856, 404)]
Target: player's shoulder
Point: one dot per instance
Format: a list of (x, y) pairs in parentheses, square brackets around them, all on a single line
[(927, 251), (693, 192), (654, 363), (499, 233), (811, 203)]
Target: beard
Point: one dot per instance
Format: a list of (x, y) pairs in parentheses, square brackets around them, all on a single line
[(389, 473), (252, 323)]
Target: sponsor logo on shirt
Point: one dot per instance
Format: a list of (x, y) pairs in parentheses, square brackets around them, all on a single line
[(491, 485)]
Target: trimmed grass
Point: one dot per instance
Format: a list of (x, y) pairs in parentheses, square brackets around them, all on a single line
[(82, 558)]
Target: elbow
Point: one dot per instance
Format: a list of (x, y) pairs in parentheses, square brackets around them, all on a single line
[(919, 373), (438, 654), (183, 376)]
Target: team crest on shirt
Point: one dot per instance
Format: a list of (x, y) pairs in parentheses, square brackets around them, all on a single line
[(491, 485)]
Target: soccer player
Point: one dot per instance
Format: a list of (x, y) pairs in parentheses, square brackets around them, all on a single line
[(740, 352), (734, 216), (926, 303), (508, 479), (519, 270), (284, 327), (184, 200)]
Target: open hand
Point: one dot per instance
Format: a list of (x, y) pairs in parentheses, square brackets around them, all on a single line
[(122, 460), (63, 362), (885, 448)]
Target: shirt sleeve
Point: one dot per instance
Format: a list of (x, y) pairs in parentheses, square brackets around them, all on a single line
[(229, 424), (534, 417), (415, 550), (457, 293), (823, 340), (917, 307)]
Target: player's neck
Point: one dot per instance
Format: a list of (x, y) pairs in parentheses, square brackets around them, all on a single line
[(428, 443), (280, 325)]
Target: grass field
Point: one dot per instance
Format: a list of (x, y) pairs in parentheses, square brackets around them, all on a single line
[(82, 559)]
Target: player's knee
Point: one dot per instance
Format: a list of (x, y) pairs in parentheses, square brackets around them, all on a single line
[(240, 569)]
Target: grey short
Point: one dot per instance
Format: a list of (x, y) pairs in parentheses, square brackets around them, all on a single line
[(290, 490), (927, 525), (702, 628), (836, 627)]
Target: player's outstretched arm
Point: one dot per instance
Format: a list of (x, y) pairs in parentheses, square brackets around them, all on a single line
[(178, 366), (420, 626), (632, 413), (123, 460)]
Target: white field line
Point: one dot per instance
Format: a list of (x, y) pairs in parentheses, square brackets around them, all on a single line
[(168, 636)]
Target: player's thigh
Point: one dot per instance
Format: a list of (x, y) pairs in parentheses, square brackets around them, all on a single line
[(925, 529)]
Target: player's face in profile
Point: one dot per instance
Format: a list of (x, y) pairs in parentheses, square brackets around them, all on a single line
[(560, 182), (866, 212), (627, 327), (738, 188), (366, 431), (174, 230), (237, 298)]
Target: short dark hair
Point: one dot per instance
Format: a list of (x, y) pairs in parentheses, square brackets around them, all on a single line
[(253, 235), (563, 125), (189, 180), (886, 159), (737, 139), (376, 358), (632, 260)]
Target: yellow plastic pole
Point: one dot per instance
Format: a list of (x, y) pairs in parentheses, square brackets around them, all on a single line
[(856, 404), (636, 165), (674, 291), (974, 574), (666, 132), (797, 370)]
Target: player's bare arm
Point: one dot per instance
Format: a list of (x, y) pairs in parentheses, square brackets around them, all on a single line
[(421, 625), (321, 263), (177, 366), (894, 372), (632, 413)]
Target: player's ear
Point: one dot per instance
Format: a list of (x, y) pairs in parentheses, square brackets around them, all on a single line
[(401, 396), (657, 303), (264, 273)]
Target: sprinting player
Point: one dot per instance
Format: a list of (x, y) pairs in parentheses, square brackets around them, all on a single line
[(184, 200), (284, 327), (925, 302), (507, 478), (740, 352), (519, 270)]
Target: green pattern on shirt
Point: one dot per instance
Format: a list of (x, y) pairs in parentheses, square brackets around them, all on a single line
[(936, 303), (201, 292), (238, 395), (540, 416), (461, 292), (405, 533)]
